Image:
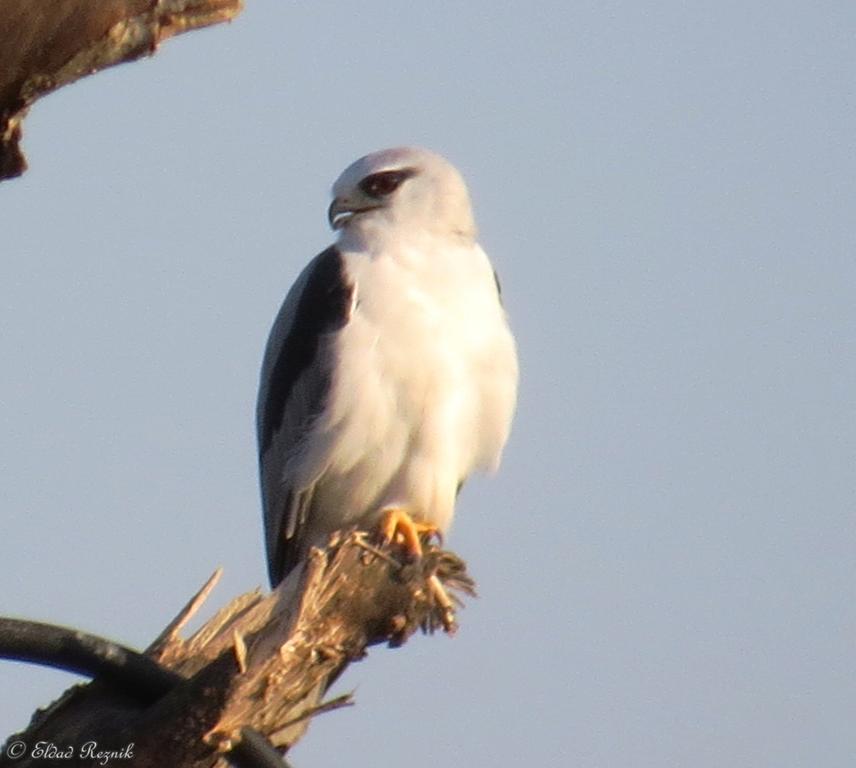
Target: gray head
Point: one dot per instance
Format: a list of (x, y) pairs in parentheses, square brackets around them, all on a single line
[(404, 187)]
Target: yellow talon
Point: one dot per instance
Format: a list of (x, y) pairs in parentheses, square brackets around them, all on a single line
[(399, 527)]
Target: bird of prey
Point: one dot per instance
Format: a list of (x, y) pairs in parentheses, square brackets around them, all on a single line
[(390, 374)]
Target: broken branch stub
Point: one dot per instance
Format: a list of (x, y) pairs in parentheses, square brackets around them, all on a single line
[(265, 661)]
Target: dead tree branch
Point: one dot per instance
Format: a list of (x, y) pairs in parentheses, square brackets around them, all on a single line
[(45, 44), (263, 662)]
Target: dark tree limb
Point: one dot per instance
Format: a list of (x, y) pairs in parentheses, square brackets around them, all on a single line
[(45, 44), (263, 662), (75, 651)]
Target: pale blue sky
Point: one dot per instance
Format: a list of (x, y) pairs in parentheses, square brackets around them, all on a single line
[(667, 558)]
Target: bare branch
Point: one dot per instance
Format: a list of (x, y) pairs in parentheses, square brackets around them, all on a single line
[(263, 662), (45, 44)]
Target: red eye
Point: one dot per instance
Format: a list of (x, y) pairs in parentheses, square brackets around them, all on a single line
[(384, 183)]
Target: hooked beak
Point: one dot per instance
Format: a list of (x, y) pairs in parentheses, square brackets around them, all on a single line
[(338, 213), (341, 211)]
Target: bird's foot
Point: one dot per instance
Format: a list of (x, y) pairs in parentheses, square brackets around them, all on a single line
[(397, 526)]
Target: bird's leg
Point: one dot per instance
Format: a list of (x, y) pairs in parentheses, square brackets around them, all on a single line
[(398, 526)]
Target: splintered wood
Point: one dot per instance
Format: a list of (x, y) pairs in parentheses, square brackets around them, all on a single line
[(265, 661)]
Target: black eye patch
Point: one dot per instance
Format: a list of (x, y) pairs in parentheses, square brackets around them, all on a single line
[(386, 182)]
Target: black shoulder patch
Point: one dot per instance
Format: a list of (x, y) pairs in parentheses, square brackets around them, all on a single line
[(323, 306)]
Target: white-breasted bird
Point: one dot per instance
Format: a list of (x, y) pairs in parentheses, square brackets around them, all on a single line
[(390, 374)]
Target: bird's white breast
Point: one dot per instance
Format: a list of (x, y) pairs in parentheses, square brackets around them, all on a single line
[(425, 384)]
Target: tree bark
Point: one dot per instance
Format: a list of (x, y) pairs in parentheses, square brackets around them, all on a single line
[(263, 662), (45, 44)]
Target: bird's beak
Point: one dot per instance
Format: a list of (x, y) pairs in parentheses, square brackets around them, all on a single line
[(338, 213), (342, 210)]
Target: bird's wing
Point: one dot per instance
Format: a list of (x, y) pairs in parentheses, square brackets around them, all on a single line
[(295, 380)]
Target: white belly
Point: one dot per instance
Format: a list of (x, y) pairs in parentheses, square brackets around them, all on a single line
[(424, 392)]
